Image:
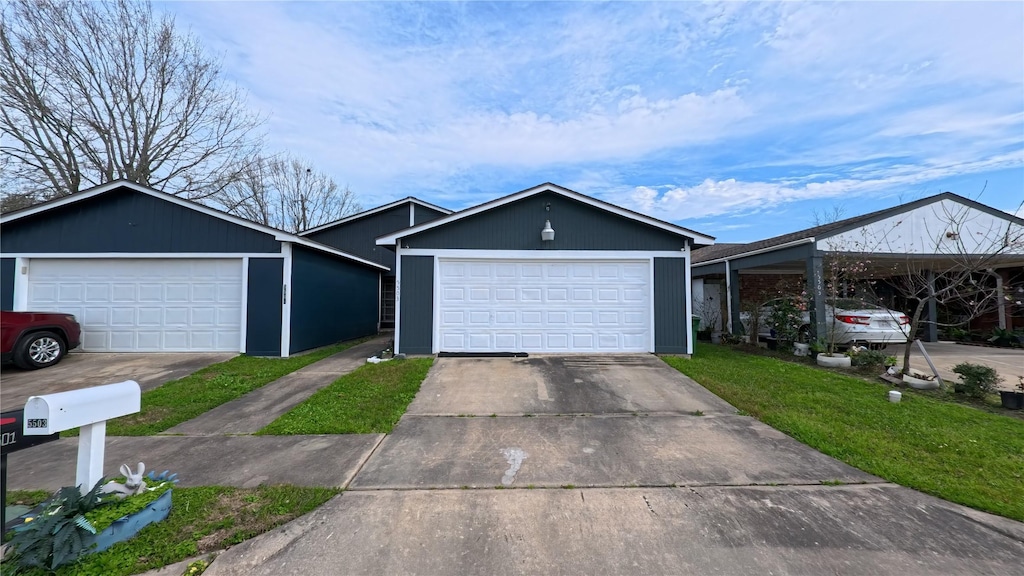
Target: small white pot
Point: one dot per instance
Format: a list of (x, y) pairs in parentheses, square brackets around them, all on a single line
[(833, 360), (801, 349), (716, 337), (920, 383), (895, 395)]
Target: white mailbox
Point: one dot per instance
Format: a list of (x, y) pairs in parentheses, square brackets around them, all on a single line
[(66, 410), (88, 408)]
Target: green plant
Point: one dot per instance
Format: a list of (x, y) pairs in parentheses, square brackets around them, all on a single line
[(57, 536), (1002, 337), (958, 334), (870, 358), (786, 317), (978, 380), (889, 361)]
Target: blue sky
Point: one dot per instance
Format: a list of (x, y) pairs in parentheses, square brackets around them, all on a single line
[(739, 120)]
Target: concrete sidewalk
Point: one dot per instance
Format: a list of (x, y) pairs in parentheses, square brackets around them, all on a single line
[(257, 409), (242, 461), (1008, 362)]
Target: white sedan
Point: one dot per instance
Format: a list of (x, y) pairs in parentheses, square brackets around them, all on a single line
[(854, 322)]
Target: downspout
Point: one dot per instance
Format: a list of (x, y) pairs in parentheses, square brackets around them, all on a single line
[(728, 298)]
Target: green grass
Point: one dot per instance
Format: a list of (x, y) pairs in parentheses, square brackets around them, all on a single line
[(180, 400), (202, 519), (948, 450), (368, 400)]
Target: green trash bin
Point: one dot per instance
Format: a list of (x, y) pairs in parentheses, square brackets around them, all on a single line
[(695, 322)]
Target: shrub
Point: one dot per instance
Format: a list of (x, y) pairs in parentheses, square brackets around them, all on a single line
[(977, 380), (868, 358)]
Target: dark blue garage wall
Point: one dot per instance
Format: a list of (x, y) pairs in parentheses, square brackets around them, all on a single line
[(517, 226), (124, 220), (332, 300), (7, 283), (416, 332), (359, 236), (670, 320), (263, 317)]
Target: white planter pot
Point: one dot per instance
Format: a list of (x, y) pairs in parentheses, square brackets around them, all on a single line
[(920, 383), (716, 337), (833, 360), (801, 349)]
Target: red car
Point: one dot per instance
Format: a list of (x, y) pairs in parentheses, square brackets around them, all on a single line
[(37, 339)]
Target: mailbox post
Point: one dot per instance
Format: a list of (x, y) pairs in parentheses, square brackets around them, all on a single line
[(88, 408)]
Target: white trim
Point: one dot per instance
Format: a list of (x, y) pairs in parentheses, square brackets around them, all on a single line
[(756, 252), (145, 255), (783, 272), (286, 300), (398, 295), (245, 305), (392, 239), (650, 278), (22, 267), (435, 339), (371, 211), (689, 304), (728, 298), (278, 235), (545, 254), (380, 299), (412, 214)]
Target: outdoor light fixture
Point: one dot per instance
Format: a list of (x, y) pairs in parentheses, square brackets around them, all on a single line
[(548, 233)]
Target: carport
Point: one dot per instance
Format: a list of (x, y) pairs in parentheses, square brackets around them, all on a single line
[(926, 237)]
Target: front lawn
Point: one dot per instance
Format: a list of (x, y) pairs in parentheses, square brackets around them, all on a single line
[(368, 400), (188, 397), (202, 519), (954, 452)]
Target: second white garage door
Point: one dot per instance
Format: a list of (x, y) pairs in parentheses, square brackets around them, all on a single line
[(144, 305), (544, 306)]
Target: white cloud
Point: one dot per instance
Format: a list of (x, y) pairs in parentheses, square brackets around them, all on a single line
[(760, 104)]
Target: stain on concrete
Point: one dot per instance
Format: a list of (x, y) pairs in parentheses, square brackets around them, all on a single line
[(515, 458)]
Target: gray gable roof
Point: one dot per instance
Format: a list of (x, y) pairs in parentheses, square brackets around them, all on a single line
[(720, 251)]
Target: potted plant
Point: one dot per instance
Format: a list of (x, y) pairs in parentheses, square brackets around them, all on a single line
[(1013, 399), (976, 380)]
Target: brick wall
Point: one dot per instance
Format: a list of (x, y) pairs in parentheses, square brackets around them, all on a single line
[(761, 287)]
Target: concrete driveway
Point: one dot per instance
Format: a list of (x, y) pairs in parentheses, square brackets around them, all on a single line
[(613, 465), (83, 370), (1008, 362)]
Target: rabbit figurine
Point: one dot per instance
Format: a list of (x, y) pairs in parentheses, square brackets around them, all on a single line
[(133, 483)]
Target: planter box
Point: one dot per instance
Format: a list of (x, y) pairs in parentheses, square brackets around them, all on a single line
[(1012, 400), (833, 360), (124, 528), (920, 383)]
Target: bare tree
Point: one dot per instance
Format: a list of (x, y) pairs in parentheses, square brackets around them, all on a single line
[(96, 91), (289, 194)]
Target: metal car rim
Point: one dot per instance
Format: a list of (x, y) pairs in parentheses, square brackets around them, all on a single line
[(44, 350)]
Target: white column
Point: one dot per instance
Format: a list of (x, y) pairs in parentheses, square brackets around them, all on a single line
[(91, 440)]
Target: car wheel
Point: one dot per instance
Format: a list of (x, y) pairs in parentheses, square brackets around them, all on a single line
[(39, 350)]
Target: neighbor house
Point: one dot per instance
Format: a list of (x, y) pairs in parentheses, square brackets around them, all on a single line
[(932, 233), (146, 271)]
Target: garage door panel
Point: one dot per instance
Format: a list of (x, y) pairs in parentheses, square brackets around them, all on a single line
[(144, 305), (549, 306)]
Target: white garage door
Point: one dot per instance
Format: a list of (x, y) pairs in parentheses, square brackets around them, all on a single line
[(544, 306), (144, 305)]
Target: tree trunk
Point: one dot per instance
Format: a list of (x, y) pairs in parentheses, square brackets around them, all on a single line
[(915, 321)]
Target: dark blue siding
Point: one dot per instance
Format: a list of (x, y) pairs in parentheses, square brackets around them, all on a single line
[(517, 226), (670, 294), (332, 300), (128, 221), (424, 214), (263, 317), (359, 236), (7, 283), (416, 298)]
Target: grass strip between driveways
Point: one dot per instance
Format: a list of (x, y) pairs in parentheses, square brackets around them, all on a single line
[(188, 397), (951, 451), (368, 400), (202, 519)]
